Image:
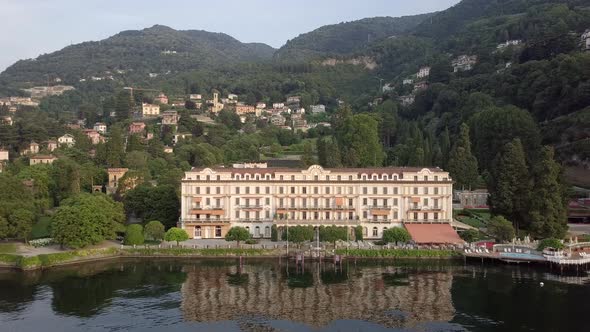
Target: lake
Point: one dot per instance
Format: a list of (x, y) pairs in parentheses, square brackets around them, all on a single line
[(269, 295)]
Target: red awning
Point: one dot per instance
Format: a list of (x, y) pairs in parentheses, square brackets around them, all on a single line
[(433, 233)]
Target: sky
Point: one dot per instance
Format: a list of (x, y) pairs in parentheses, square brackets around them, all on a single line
[(34, 27)]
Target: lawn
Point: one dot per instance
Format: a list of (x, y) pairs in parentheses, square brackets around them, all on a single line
[(41, 228), (474, 218), (7, 248)]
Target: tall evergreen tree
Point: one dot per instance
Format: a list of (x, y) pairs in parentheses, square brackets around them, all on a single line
[(123, 105), (462, 164), (115, 147), (510, 187), (445, 146), (548, 205)]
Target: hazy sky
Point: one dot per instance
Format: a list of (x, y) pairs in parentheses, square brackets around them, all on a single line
[(34, 27)]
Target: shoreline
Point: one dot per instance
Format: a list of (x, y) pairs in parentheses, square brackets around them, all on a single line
[(48, 261)]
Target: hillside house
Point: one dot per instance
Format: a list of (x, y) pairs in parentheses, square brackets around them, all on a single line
[(278, 105), (168, 149), (94, 136), (33, 148), (423, 72), (508, 43), (150, 110), (317, 109), (161, 98), (136, 128), (100, 127), (170, 118), (277, 120), (3, 155), (387, 88), (115, 175), (40, 159), (585, 39), (418, 86), (6, 120), (67, 140), (195, 97), (408, 81), (52, 145), (214, 105), (12, 109), (294, 99), (407, 100), (246, 109), (260, 106), (464, 63)]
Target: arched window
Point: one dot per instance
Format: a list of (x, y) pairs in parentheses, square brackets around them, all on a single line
[(217, 231), (248, 229), (257, 231), (198, 232), (375, 232), (366, 232), (267, 231)]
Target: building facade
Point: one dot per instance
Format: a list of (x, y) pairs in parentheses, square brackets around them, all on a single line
[(150, 110), (214, 200)]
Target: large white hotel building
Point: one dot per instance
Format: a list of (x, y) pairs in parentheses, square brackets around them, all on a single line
[(215, 199)]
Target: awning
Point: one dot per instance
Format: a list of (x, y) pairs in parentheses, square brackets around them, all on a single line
[(433, 233), (379, 212)]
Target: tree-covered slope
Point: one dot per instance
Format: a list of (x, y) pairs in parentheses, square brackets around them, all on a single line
[(347, 37), (159, 50)]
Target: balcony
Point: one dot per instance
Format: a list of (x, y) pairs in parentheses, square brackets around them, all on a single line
[(426, 221), (316, 222), (251, 207), (254, 220), (216, 211), (191, 221)]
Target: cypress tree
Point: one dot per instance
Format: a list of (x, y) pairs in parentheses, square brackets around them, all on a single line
[(548, 204), (510, 189), (462, 164)]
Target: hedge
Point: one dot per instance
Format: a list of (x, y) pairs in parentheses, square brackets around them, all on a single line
[(197, 252)]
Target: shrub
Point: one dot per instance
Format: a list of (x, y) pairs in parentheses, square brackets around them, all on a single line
[(154, 230), (396, 234), (550, 243), (251, 241), (176, 234), (274, 233), (134, 235), (298, 234), (470, 235), (398, 253), (358, 233), (41, 242)]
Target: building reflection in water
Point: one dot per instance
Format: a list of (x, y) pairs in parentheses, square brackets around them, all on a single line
[(318, 295)]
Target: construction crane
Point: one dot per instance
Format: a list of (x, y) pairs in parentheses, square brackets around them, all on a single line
[(131, 89)]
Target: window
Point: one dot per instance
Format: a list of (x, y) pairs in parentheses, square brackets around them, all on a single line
[(197, 190), (364, 190), (217, 231), (327, 215), (258, 190), (374, 190), (350, 202), (315, 202), (247, 190), (237, 201), (292, 202), (267, 190), (338, 190), (292, 190), (415, 190), (415, 215), (350, 190), (327, 202), (436, 216), (425, 177), (436, 190), (315, 178), (327, 190), (350, 215), (257, 231), (207, 201), (395, 216), (304, 190), (415, 177), (304, 215), (375, 202), (237, 214), (350, 178), (339, 178), (395, 202), (425, 202), (316, 215), (281, 178), (217, 202), (258, 202), (292, 177), (364, 201), (207, 190), (315, 190), (218, 190), (384, 190), (304, 202), (365, 214), (426, 190), (267, 201), (237, 190), (280, 202), (395, 192), (281, 190), (198, 231), (208, 177), (267, 214), (375, 231), (436, 178)]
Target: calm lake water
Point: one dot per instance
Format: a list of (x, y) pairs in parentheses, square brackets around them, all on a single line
[(268, 295)]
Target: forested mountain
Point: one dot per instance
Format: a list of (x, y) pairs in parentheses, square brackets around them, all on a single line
[(346, 37), (134, 54)]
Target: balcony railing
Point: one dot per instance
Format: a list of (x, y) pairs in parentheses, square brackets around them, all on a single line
[(296, 222), (204, 220), (427, 221)]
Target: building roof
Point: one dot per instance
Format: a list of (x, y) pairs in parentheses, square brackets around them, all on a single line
[(433, 233), (43, 157), (376, 170)]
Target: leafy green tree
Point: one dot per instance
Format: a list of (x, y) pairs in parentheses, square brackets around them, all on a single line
[(511, 189), (358, 233), (501, 229), (470, 235), (328, 153), (176, 234), (22, 222), (274, 233), (4, 228), (153, 203), (237, 234), (358, 138), (154, 230), (549, 200), (86, 219), (462, 164), (134, 235), (396, 234), (332, 234)]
